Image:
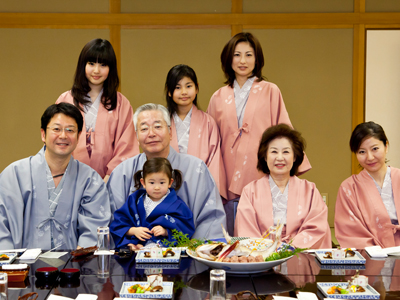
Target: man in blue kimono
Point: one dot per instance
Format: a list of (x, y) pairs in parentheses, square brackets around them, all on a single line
[(50, 199), (198, 191)]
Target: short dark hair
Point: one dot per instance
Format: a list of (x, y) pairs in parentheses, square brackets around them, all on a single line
[(281, 131), (174, 76), (101, 51), (65, 109), (157, 165), (366, 130), (229, 50)]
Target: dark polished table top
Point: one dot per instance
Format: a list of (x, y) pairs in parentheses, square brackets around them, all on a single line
[(191, 278)]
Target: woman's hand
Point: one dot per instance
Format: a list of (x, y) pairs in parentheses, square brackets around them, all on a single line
[(142, 233), (159, 230)]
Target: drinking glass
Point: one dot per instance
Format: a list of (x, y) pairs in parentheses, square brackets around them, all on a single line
[(217, 285), (103, 239), (3, 286), (103, 266)]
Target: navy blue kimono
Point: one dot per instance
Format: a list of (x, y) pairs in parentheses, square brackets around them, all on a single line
[(171, 213)]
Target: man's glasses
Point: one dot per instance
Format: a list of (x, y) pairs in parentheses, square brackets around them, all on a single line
[(59, 130)]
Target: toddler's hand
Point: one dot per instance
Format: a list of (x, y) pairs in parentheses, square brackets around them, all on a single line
[(142, 233), (159, 230)]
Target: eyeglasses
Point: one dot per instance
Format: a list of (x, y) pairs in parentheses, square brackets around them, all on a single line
[(155, 127), (59, 130)]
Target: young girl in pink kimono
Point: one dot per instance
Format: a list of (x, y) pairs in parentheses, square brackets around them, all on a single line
[(368, 204), (193, 131), (281, 197), (243, 110), (108, 136)]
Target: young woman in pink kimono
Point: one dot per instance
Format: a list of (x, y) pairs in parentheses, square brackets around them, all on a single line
[(193, 131), (281, 197), (108, 136), (243, 110), (368, 204)]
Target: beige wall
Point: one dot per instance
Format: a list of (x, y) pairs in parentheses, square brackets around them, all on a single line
[(312, 67)]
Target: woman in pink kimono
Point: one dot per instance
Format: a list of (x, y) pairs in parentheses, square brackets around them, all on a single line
[(193, 131), (243, 110), (108, 136), (281, 197), (368, 204)]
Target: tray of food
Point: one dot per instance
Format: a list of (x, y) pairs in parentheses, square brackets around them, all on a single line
[(84, 251), (142, 289), (350, 257), (15, 273), (7, 258), (158, 255), (342, 290)]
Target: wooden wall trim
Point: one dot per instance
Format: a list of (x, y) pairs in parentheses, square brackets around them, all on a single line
[(237, 8), (298, 19), (115, 35), (358, 107)]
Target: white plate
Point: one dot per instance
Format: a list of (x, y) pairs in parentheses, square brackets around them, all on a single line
[(370, 292), (11, 256), (165, 294), (357, 259), (238, 268), (140, 258)]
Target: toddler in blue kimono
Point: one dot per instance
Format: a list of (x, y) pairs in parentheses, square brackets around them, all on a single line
[(150, 213)]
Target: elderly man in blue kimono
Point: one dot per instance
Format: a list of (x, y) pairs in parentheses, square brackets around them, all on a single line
[(50, 199), (198, 191)]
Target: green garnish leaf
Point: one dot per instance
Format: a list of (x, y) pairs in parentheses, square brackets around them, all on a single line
[(182, 240)]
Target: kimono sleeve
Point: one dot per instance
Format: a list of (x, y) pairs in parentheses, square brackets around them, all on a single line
[(246, 217), (94, 210), (314, 232), (350, 228), (11, 208), (125, 142)]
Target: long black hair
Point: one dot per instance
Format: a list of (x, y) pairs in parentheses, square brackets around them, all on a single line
[(96, 51)]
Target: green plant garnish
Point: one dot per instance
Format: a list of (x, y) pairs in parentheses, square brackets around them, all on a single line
[(182, 240), (284, 253)]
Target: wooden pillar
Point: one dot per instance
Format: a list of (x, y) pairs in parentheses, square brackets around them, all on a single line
[(237, 8), (115, 35)]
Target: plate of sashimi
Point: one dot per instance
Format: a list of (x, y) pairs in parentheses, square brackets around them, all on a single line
[(251, 255)]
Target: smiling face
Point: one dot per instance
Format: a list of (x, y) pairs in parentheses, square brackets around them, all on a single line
[(156, 185), (243, 60), (372, 155), (96, 73), (185, 92), (61, 136), (153, 134), (280, 157)]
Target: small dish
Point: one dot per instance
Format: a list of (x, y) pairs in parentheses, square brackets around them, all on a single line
[(370, 292), (357, 259), (46, 273), (140, 257), (70, 274), (9, 260), (165, 294)]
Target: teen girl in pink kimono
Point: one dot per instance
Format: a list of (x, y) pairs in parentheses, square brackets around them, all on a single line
[(243, 110), (368, 204), (280, 197), (108, 136), (193, 131)]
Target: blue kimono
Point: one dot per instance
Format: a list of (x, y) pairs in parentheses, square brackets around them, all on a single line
[(171, 213)]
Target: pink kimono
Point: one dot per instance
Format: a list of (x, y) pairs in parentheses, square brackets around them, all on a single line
[(307, 214), (113, 140), (239, 146), (204, 143), (361, 218)]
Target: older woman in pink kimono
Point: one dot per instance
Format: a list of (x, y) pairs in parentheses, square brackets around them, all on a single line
[(243, 110), (281, 197), (368, 204), (108, 136)]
